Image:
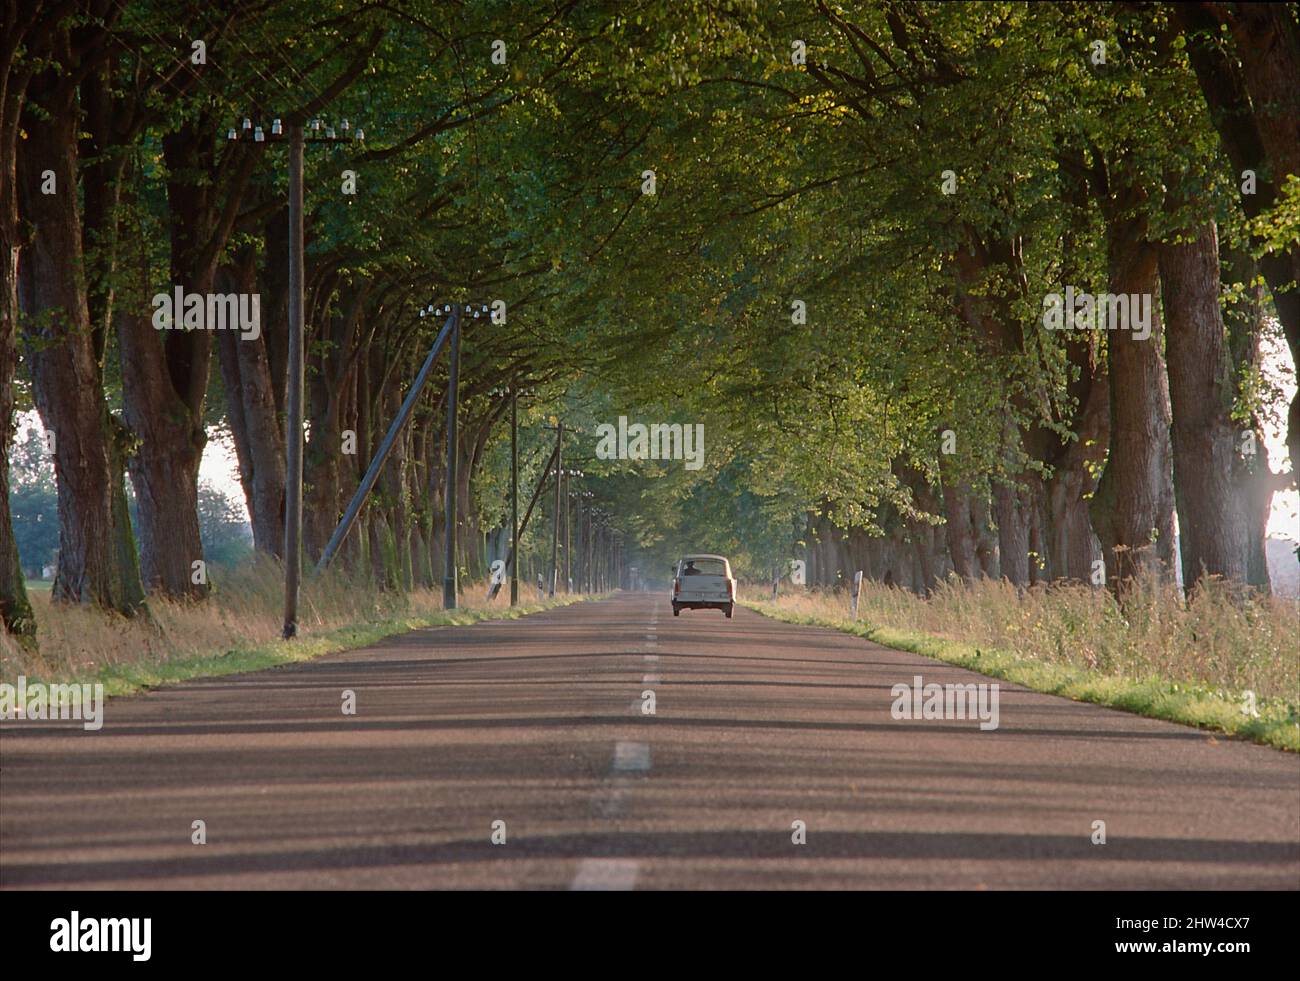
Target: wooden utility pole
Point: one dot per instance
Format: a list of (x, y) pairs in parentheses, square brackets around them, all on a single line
[(294, 392), (555, 518), (514, 496), (449, 527)]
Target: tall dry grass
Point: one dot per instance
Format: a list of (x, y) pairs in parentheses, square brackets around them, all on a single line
[(244, 611), (1217, 638)]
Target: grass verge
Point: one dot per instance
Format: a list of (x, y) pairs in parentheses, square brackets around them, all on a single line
[(1276, 724), (237, 628), (126, 679)]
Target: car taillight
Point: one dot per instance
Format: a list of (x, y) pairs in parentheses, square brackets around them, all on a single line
[(677, 586)]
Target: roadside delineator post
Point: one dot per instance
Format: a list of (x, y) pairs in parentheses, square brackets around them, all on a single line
[(857, 591)]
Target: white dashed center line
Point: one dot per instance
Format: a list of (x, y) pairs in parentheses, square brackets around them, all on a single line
[(605, 874), (614, 873), (631, 757), (612, 799)]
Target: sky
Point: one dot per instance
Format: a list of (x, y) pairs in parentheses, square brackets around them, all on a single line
[(1284, 520)]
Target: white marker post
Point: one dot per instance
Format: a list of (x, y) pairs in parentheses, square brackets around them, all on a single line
[(857, 591)]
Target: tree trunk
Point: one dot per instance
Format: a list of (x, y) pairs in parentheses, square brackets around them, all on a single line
[(986, 539), (392, 485), (421, 513), (1256, 483), (926, 539), (322, 483), (256, 425), (65, 373), (382, 568), (165, 466), (990, 279), (274, 282), (1251, 98), (1212, 532), (259, 436), (165, 373), (323, 455), (169, 439), (1071, 543), (356, 549), (1133, 509), (15, 609), (120, 441), (960, 532), (1013, 507), (103, 166)]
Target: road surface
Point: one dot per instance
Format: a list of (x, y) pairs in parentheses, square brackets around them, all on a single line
[(538, 723)]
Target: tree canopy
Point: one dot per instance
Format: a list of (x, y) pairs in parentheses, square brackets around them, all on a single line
[(825, 232)]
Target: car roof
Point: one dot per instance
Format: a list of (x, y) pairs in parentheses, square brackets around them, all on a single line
[(704, 555)]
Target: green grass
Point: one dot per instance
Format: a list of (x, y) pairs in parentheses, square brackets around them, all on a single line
[(1202, 706), (38, 585), (130, 678)]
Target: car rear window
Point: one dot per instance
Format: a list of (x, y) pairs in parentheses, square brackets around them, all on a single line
[(704, 567)]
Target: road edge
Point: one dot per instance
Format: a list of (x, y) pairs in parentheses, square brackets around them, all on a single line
[(1197, 707)]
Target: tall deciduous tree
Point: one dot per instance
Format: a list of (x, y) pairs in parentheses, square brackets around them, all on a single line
[(96, 554)]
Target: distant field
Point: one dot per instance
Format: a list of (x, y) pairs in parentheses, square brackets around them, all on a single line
[(39, 585)]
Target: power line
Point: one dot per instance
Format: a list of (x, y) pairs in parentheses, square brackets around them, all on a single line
[(261, 27), (189, 66), (284, 88)]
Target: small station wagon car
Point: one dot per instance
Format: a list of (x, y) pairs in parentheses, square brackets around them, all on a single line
[(703, 582)]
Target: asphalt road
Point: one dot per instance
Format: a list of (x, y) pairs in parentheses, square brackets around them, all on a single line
[(538, 723)]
